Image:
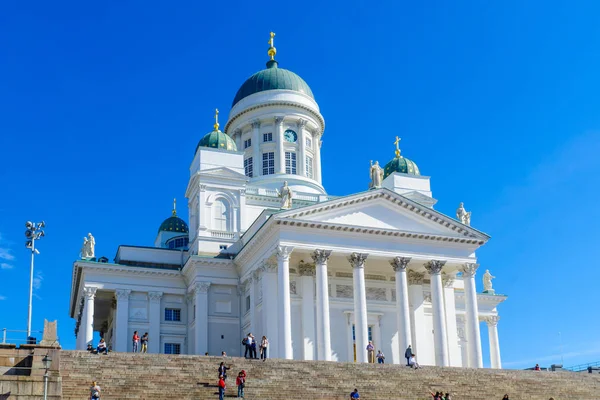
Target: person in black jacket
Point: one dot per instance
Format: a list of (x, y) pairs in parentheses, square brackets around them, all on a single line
[(408, 354)]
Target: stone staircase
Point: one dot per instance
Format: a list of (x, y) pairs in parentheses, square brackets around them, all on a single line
[(164, 377)]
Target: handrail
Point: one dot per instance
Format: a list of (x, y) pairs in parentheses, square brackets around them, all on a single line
[(583, 367), (6, 340)]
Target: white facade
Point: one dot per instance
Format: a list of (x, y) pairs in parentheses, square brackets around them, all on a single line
[(319, 280)]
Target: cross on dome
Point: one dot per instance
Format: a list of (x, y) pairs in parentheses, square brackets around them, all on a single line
[(174, 207), (397, 142), (272, 50), (216, 125)]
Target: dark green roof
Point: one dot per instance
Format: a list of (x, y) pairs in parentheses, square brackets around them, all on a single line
[(217, 140), (402, 165), (174, 224), (272, 78)]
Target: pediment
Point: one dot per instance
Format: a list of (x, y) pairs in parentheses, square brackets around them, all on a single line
[(383, 210), (223, 173)]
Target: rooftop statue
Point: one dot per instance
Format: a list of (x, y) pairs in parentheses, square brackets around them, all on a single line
[(286, 196), (376, 175), (88, 248), (462, 215), (487, 282)]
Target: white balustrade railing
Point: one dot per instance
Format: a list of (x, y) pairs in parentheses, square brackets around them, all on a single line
[(222, 234)]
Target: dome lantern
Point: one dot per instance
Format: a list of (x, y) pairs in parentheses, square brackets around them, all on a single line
[(217, 139)]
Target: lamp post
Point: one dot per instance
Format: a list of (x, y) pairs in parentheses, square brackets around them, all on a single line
[(47, 361), (34, 232)]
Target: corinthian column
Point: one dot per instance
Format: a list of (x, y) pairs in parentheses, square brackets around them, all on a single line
[(492, 323), (399, 265), (280, 152), (434, 267), (472, 316), (201, 324), (357, 260), (323, 328), (307, 282), (122, 327), (256, 160), (270, 304), (284, 310), (302, 148), (88, 314), (154, 319)]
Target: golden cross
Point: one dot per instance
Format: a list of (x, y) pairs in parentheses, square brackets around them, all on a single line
[(397, 142), (216, 119), (174, 206), (271, 40)]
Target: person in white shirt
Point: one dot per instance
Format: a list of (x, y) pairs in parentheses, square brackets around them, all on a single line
[(94, 391), (380, 357), (413, 362)]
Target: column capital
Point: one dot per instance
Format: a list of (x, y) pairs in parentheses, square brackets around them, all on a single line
[(434, 267), (256, 124), (122, 294), (400, 263), (415, 278), (469, 269), (89, 292), (155, 296), (237, 132), (492, 320), (302, 123), (306, 269), (278, 120), (283, 252), (320, 256), (448, 279), (268, 266), (201, 287), (357, 260)]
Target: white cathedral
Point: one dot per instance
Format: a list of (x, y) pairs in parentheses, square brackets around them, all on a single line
[(269, 251)]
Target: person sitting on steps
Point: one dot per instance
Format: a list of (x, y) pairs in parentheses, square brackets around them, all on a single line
[(102, 347), (354, 395)]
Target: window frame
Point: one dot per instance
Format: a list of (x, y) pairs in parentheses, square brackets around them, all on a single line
[(291, 163), (249, 167), (309, 166), (268, 158), (174, 313), (173, 346), (267, 137)]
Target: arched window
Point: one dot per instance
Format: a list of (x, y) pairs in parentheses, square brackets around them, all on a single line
[(221, 215)]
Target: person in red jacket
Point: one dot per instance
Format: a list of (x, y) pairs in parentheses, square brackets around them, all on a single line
[(221, 387), (241, 382)]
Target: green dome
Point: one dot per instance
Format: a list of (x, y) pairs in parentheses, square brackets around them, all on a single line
[(174, 224), (217, 140), (272, 78), (402, 165)]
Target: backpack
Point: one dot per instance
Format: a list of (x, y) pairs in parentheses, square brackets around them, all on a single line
[(244, 341)]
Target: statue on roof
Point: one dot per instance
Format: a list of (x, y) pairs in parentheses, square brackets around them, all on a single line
[(88, 248), (462, 215), (286, 194), (487, 282), (376, 175)]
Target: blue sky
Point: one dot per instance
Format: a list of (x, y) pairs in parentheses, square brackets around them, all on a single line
[(101, 107)]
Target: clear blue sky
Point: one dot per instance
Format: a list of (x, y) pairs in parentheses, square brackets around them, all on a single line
[(102, 105)]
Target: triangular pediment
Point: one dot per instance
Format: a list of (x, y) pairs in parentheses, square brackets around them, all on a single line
[(223, 173), (384, 210)]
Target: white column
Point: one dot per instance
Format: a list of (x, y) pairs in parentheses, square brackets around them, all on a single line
[(154, 320), (122, 320), (307, 282), (317, 166), (301, 147), (440, 337), (472, 316), (201, 325), (190, 319), (320, 258), (252, 294), (420, 346), (87, 320), (284, 305), (399, 265), (256, 140), (492, 323), (361, 332), (450, 311), (80, 342), (237, 138), (280, 152), (242, 225), (270, 300)]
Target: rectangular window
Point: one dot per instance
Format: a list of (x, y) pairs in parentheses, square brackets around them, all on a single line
[(290, 163), (309, 167), (172, 348), (309, 143), (247, 303), (172, 314), (248, 168), (267, 137), (247, 143), (268, 163)]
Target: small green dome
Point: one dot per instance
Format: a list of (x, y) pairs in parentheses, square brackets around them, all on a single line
[(272, 78), (174, 224), (402, 165), (217, 140)]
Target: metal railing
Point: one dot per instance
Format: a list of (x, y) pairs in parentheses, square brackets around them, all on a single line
[(583, 367), (14, 336)]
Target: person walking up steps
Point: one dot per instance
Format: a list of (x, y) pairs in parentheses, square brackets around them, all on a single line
[(222, 387), (264, 348), (380, 357), (94, 391), (408, 354), (371, 352), (144, 341), (241, 382), (136, 341)]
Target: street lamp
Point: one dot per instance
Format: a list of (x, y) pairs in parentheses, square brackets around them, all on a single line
[(47, 362), (34, 232)]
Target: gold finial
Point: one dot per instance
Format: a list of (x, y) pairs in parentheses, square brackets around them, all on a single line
[(397, 146), (216, 125), (272, 50), (174, 207)]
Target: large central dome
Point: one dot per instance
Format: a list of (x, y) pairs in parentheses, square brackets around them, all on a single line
[(272, 78)]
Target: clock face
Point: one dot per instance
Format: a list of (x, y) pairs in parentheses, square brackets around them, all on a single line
[(290, 136)]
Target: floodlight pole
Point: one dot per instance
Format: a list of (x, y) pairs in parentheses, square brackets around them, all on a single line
[(30, 287)]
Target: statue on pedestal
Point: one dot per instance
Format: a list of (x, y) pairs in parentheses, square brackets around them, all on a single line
[(376, 175), (88, 248), (286, 194), (462, 215), (487, 282)]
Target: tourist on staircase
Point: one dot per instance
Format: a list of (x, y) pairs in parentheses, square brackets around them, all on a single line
[(380, 357), (413, 362), (505, 397), (144, 341), (241, 382), (371, 352), (223, 370), (354, 395), (94, 391), (264, 348), (408, 354), (221, 385), (136, 341), (102, 347)]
